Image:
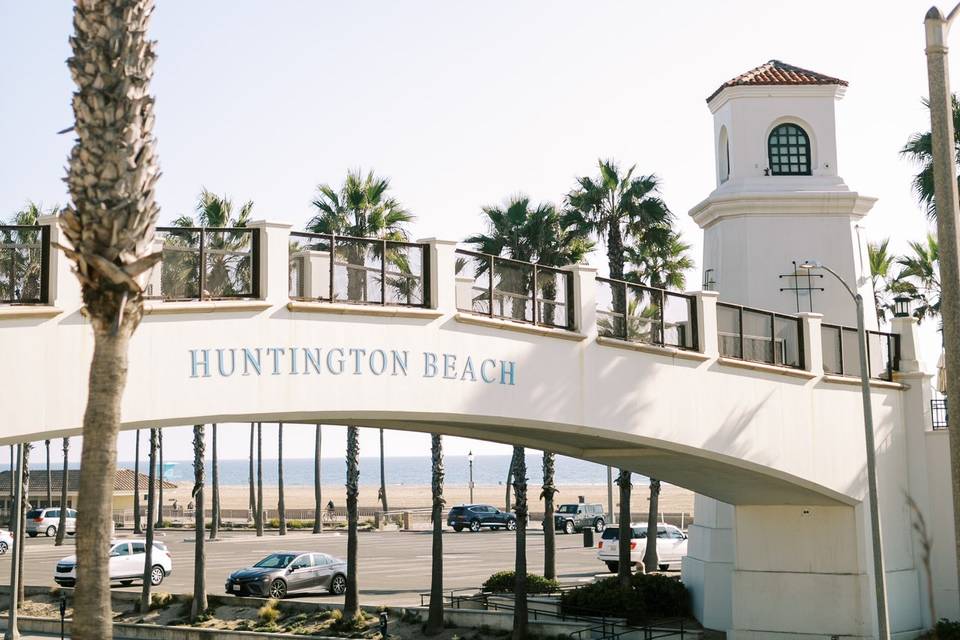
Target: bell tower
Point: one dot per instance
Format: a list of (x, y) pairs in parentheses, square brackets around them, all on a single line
[(779, 199)]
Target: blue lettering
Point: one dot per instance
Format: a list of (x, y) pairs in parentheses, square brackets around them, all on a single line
[(311, 358), (429, 364), (277, 352), (196, 364), (374, 368), (293, 361), (507, 368), (483, 370), (248, 361), (468, 370), (356, 359), (233, 362), (449, 366), (339, 362), (399, 363)]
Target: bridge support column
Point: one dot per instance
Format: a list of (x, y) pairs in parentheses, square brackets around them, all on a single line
[(708, 565)]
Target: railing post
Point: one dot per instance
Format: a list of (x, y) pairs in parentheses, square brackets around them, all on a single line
[(203, 263), (706, 328), (274, 260), (812, 340), (906, 328), (442, 274), (63, 288), (584, 298)]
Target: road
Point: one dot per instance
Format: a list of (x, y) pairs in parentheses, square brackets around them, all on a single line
[(394, 567)]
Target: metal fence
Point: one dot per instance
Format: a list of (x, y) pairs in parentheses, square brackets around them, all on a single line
[(514, 290), (939, 418), (24, 264), (207, 263), (362, 271), (644, 314), (841, 354), (759, 336)]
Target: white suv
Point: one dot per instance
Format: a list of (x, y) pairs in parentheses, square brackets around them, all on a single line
[(6, 541), (46, 521), (671, 545), (127, 559)]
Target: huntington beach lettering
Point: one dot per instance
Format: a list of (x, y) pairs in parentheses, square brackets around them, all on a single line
[(338, 361)]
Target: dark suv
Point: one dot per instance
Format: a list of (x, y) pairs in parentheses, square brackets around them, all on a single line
[(474, 516), (570, 518)]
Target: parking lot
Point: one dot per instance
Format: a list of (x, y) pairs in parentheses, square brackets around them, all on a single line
[(394, 566)]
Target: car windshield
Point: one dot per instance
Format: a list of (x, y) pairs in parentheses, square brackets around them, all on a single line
[(567, 508), (276, 561)]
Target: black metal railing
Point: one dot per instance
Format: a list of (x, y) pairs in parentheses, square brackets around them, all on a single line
[(514, 290), (759, 336), (24, 264), (841, 354), (207, 263), (939, 418), (362, 271), (637, 313)]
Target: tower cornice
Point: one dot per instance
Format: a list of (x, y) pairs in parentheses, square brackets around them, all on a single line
[(813, 203)]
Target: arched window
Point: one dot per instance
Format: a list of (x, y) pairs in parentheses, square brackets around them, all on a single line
[(789, 151), (723, 153)]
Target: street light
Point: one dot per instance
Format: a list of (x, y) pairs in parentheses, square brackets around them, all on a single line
[(470, 459), (879, 576), (901, 306)]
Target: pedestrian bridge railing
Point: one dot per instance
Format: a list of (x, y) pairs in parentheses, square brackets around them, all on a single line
[(206, 263), (759, 336), (24, 264), (636, 313), (841, 355), (939, 418)]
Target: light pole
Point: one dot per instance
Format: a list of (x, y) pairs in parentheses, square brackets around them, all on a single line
[(470, 460), (945, 198), (879, 576)]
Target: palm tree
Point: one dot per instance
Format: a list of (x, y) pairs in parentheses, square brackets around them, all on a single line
[(920, 277), (383, 477), (919, 149), (435, 622), (62, 522), (547, 493), (137, 529), (46, 444), (109, 225), (24, 506), (650, 558), (23, 248), (160, 476), (519, 465), (151, 507), (281, 510), (11, 496), (253, 492), (215, 480), (351, 602), (258, 517), (625, 530), (199, 604), (886, 283), (317, 486)]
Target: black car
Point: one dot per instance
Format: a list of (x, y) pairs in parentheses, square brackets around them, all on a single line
[(475, 516), (570, 518)]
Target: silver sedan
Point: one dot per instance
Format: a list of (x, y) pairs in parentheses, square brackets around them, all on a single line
[(287, 571)]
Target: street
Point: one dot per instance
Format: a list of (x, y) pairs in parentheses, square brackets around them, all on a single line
[(394, 567)]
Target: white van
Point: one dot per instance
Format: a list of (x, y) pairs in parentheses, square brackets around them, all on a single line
[(671, 546)]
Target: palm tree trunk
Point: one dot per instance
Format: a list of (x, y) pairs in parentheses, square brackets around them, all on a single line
[(25, 503), (253, 491), (435, 614), (62, 523), (520, 566), (258, 517), (151, 507), (383, 477), (351, 602), (281, 511), (317, 487), (650, 559), (215, 479), (11, 496), (98, 468), (549, 526), (46, 444), (615, 259), (506, 493), (137, 529), (624, 570), (199, 605), (160, 478)]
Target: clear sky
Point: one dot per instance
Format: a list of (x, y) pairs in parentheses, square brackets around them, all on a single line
[(463, 104)]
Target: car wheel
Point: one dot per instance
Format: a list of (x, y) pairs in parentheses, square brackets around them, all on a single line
[(663, 567), (599, 525), (156, 575), (278, 589), (568, 527), (474, 525), (33, 534), (3, 548), (458, 528), (612, 567), (511, 525), (338, 585), (51, 531)]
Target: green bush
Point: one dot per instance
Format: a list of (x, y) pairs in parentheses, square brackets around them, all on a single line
[(503, 581), (649, 597), (945, 630)]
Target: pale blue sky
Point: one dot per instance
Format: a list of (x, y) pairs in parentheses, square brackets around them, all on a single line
[(462, 104)]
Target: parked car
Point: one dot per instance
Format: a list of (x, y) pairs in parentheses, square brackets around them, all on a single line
[(46, 521), (572, 518), (127, 559), (671, 546), (6, 541), (475, 516), (286, 571)]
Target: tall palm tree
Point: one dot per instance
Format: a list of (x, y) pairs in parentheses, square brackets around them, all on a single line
[(109, 224), (281, 509), (198, 606), (46, 444), (151, 507), (435, 622), (351, 602), (919, 149), (160, 475), (920, 277), (650, 557), (317, 484), (253, 491), (886, 282), (11, 496), (623, 559), (137, 528), (215, 481), (24, 506), (547, 493), (519, 465), (64, 480), (258, 517), (383, 477)]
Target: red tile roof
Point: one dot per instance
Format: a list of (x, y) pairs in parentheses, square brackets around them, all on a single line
[(123, 482), (777, 73)]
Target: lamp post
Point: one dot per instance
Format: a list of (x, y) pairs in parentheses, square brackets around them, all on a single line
[(470, 460), (879, 575)]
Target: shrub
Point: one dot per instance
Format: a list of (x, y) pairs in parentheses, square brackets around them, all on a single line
[(649, 597), (945, 630), (269, 613), (503, 582)]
